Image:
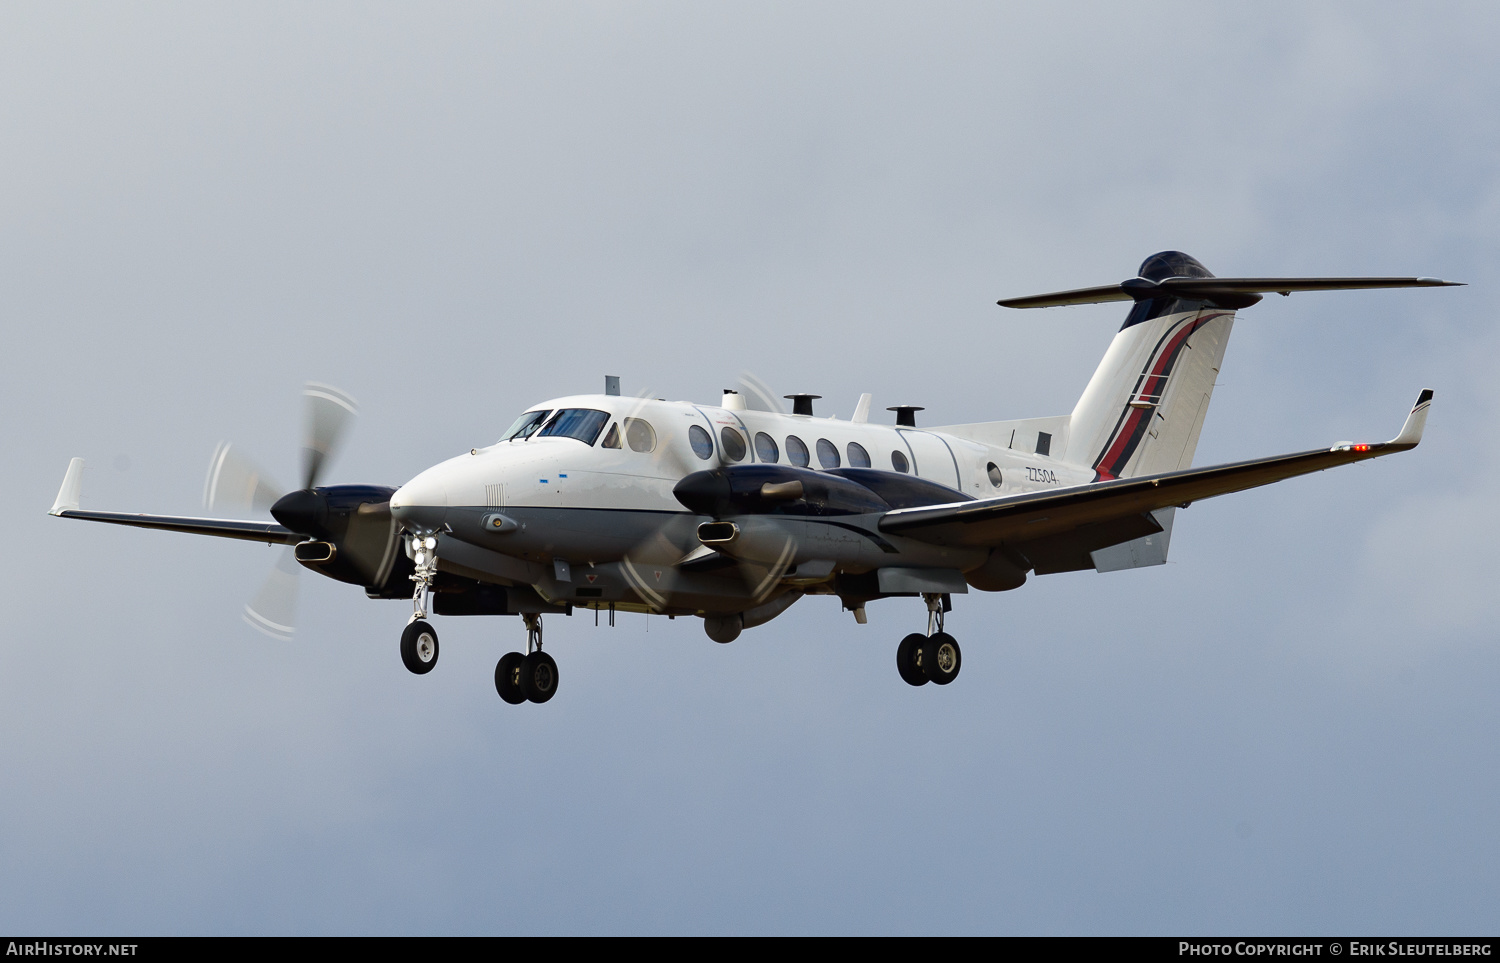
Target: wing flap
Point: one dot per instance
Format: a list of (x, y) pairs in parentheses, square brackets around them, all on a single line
[(1073, 551)]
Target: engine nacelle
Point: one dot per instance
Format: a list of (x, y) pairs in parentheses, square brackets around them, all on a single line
[(354, 538)]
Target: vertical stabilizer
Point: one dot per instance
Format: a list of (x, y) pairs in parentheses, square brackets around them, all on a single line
[(1143, 409)]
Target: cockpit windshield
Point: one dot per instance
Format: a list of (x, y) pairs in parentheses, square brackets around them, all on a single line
[(525, 425), (581, 423)]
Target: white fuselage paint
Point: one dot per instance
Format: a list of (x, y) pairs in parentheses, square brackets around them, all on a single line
[(556, 472), (612, 510)]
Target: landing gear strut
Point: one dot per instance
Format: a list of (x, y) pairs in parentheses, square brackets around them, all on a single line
[(419, 642), (934, 657), (530, 677)]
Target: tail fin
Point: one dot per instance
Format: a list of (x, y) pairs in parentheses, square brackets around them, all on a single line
[(1143, 409)]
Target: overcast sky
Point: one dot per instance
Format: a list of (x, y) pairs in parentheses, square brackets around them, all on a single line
[(453, 212)]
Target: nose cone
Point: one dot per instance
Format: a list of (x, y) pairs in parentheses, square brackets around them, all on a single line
[(422, 502)]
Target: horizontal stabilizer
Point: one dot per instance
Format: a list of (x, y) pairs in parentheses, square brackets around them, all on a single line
[(1226, 292)]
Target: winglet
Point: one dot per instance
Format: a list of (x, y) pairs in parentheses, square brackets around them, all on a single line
[(1411, 432), (67, 496)]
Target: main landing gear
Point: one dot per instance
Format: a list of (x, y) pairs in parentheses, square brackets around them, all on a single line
[(531, 677), (934, 657), (518, 678)]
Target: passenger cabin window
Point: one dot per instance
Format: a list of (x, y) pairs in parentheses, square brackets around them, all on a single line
[(702, 442), (612, 439), (796, 451), (584, 424), (828, 453), (639, 435), (525, 426), (898, 462), (765, 448), (733, 444), (858, 457)]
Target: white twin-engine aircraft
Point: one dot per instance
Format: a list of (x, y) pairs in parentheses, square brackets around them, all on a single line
[(732, 512)]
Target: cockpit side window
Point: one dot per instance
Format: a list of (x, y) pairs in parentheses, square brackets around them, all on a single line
[(525, 426), (583, 424), (612, 439)]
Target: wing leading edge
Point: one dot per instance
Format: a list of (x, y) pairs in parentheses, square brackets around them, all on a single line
[(1119, 510)]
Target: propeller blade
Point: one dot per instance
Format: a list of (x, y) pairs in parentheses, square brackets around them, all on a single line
[(236, 483), (671, 456), (372, 541), (650, 568), (646, 581), (273, 611), (329, 413), (760, 579), (758, 394)]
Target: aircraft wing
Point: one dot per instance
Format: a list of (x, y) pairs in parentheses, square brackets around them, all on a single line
[(1085, 518), (66, 506)]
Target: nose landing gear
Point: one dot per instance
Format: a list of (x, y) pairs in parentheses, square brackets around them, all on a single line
[(934, 657), (419, 642)]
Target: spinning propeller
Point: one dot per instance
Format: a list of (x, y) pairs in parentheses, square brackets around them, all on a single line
[(655, 568), (351, 535)]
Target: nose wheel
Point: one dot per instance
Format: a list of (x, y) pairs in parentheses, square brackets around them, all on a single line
[(934, 657), (531, 677), (419, 647)]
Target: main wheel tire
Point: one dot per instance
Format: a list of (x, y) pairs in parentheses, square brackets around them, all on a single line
[(508, 678), (909, 659), (419, 647), (539, 676), (942, 658)]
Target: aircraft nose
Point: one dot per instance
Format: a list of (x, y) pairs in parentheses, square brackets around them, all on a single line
[(423, 501)]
